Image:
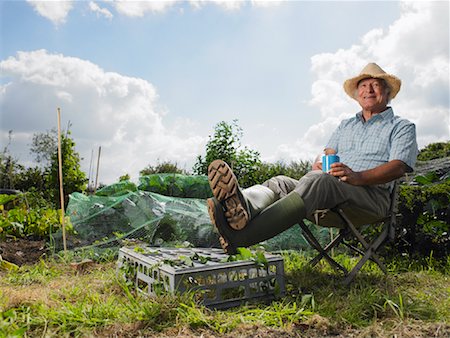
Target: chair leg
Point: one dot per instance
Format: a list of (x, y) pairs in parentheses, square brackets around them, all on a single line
[(352, 274), (322, 253), (370, 248), (368, 255), (336, 241), (362, 253)]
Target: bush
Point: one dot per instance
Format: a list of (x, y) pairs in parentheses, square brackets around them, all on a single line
[(28, 216), (425, 222), (434, 150), (225, 144), (161, 168), (295, 170)]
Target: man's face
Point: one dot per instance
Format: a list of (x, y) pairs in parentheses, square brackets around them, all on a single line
[(372, 95)]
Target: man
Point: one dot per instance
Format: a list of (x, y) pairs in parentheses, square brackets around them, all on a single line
[(375, 147)]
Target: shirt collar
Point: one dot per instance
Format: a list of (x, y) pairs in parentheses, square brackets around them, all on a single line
[(385, 114)]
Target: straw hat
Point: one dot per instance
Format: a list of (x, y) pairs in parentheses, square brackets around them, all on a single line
[(372, 70)]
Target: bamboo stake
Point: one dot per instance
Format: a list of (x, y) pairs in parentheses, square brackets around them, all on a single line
[(90, 172), (98, 165), (61, 191)]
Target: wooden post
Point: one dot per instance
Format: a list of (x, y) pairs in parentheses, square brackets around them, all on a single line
[(90, 172), (61, 190), (98, 165)]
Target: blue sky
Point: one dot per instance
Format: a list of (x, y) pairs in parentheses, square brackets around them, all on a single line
[(148, 80)]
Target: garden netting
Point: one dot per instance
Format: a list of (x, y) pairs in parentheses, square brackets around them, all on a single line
[(162, 210)]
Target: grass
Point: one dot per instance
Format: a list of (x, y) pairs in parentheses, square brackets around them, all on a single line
[(52, 299)]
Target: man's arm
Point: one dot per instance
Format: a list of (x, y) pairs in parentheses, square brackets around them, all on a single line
[(382, 174)]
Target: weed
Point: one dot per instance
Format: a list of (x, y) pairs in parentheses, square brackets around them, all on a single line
[(40, 273), (97, 300)]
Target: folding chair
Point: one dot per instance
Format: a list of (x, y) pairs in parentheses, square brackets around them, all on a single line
[(337, 218)]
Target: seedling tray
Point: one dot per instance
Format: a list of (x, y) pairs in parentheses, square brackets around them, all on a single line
[(217, 282)]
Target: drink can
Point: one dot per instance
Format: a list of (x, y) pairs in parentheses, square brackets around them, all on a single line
[(327, 160)]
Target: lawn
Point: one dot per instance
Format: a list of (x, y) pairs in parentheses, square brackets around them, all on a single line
[(56, 298)]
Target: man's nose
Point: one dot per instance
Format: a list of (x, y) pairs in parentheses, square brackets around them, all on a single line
[(371, 90)]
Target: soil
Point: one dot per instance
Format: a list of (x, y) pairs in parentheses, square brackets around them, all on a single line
[(22, 251), (25, 251)]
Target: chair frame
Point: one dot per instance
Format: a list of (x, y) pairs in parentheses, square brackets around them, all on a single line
[(387, 233)]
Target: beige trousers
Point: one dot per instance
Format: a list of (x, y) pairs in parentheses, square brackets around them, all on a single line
[(319, 190)]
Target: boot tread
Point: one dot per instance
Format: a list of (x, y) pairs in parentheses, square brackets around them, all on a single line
[(224, 186), (221, 180)]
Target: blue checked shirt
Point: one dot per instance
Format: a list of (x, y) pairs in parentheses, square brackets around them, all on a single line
[(384, 137)]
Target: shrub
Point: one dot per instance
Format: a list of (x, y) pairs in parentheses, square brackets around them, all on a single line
[(28, 216), (294, 169), (425, 222), (161, 168), (434, 150), (225, 144)]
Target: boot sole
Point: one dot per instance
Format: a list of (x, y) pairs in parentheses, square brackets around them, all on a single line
[(225, 188), (213, 214)]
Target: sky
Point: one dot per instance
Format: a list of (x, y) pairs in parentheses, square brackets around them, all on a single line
[(148, 81)]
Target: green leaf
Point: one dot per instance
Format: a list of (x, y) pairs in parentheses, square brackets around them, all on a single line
[(186, 260), (244, 253), (7, 198)]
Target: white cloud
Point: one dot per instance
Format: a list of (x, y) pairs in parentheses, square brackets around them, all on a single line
[(54, 10), (266, 3), (100, 11), (57, 10), (140, 8), (134, 8), (106, 109), (415, 48), (231, 5)]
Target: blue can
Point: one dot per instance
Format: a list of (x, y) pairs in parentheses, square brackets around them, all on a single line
[(327, 160)]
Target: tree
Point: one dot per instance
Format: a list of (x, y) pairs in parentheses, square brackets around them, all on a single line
[(74, 179), (44, 145), (225, 145), (160, 168), (15, 176), (31, 179), (9, 167)]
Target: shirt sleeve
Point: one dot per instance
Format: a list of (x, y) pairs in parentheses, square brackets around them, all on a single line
[(404, 145)]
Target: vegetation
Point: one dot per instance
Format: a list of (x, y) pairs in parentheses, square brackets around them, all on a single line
[(293, 169), (53, 299), (15, 176), (160, 168), (425, 223), (225, 144), (28, 215), (44, 179), (74, 178), (434, 150)]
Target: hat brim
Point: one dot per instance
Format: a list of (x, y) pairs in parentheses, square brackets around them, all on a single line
[(392, 81)]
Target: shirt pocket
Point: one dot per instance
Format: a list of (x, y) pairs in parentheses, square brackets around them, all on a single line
[(378, 146), (347, 143)]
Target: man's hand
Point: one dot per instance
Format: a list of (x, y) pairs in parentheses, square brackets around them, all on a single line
[(382, 174), (317, 165), (345, 173)]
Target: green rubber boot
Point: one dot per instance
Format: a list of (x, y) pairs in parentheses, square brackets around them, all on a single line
[(273, 220), (239, 206)]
